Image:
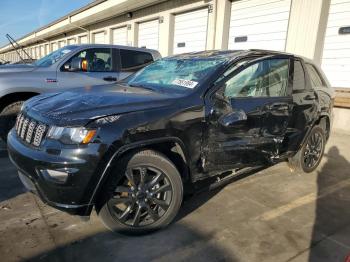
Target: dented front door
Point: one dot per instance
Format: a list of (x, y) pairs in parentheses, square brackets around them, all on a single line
[(248, 116)]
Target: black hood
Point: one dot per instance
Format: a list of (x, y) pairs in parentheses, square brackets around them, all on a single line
[(80, 106)]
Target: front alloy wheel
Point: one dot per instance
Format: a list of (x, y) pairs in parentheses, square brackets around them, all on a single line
[(143, 198), (147, 197)]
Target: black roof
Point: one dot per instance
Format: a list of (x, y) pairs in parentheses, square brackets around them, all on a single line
[(227, 54)]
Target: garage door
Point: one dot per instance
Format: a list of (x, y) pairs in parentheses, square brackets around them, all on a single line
[(336, 53), (71, 41), (37, 52), (191, 31), (149, 34), (61, 44), (83, 39), (120, 36), (42, 51), (259, 24), (99, 38), (54, 46), (47, 49)]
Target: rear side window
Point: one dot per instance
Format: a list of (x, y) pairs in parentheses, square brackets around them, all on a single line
[(316, 79), (133, 60), (299, 76)]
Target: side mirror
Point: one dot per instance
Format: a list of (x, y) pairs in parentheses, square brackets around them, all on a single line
[(220, 95), (77, 64)]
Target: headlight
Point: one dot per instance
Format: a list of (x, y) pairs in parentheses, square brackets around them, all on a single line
[(71, 135)]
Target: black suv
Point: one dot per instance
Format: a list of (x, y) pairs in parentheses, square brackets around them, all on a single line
[(130, 149)]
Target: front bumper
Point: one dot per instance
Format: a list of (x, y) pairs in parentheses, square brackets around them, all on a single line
[(72, 196)]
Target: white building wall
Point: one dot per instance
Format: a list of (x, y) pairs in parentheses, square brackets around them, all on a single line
[(307, 26), (336, 52), (304, 33), (259, 24)]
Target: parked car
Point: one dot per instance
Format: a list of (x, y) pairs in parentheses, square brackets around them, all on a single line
[(68, 67), (129, 149)]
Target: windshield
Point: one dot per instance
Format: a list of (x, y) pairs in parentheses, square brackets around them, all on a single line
[(174, 74), (55, 56)]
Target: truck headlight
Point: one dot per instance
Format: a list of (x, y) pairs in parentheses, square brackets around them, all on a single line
[(72, 135)]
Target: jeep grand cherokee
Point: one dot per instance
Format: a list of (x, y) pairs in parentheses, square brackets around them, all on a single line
[(129, 149)]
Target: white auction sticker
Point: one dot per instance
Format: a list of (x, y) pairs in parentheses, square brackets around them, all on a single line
[(185, 83)]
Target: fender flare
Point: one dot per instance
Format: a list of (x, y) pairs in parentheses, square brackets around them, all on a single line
[(123, 149), (322, 114)]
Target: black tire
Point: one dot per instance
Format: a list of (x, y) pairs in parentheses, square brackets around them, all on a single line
[(144, 213), (310, 155), (8, 118)]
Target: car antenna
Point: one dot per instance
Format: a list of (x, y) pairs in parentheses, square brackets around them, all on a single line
[(17, 46)]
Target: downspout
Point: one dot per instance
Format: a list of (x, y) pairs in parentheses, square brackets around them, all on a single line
[(80, 27)]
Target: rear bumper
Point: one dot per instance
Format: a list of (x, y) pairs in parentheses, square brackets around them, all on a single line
[(72, 196)]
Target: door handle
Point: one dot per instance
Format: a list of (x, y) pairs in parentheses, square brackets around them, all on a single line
[(110, 78), (279, 107)]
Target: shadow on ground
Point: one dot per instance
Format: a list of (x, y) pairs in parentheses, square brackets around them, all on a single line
[(183, 243), (331, 225), (179, 242), (10, 185)]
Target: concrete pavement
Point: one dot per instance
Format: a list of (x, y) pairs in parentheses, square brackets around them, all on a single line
[(273, 215)]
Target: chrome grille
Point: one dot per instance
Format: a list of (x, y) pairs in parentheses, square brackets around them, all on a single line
[(17, 121), (39, 134), (29, 130), (24, 128), (20, 124)]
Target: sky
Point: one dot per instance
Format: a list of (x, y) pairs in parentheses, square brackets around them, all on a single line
[(20, 17)]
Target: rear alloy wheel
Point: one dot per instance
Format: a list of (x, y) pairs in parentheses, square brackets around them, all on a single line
[(309, 156), (313, 150), (147, 197)]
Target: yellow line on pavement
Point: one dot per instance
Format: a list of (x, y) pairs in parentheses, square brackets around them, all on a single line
[(269, 215)]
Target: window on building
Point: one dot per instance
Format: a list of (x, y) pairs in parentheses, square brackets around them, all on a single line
[(299, 76), (133, 60), (268, 78)]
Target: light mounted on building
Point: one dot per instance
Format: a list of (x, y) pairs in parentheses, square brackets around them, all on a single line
[(210, 8)]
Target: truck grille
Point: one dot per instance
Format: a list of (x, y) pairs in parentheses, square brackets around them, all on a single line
[(29, 130)]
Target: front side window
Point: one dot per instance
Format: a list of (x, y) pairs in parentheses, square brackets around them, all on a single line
[(98, 59), (299, 76), (316, 79), (268, 78), (54, 57), (132, 60)]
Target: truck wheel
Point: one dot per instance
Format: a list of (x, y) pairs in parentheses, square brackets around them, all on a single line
[(8, 118), (144, 195), (309, 156)]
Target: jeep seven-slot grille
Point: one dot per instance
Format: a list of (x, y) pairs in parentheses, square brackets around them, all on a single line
[(29, 130)]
